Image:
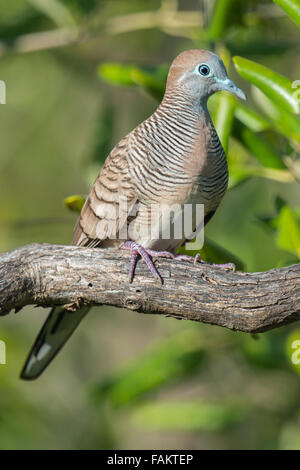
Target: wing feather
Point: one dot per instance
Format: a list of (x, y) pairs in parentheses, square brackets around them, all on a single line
[(111, 199)]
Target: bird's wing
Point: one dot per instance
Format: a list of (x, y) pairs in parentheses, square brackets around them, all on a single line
[(101, 215), (108, 206)]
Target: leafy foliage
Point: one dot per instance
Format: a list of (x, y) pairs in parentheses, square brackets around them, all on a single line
[(152, 80), (292, 8), (277, 87), (74, 203)]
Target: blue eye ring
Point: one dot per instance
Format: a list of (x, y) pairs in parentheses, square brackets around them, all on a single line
[(204, 70)]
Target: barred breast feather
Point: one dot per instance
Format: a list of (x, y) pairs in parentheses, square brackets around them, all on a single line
[(173, 158)]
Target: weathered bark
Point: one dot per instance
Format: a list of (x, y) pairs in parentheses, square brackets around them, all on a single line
[(49, 275)]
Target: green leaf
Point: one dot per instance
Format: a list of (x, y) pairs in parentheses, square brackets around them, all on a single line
[(219, 20), (222, 117), (199, 415), (74, 203), (261, 149), (286, 123), (238, 159), (277, 87), (171, 359), (242, 167), (288, 237), (152, 80), (281, 120), (116, 74), (252, 119), (292, 8)]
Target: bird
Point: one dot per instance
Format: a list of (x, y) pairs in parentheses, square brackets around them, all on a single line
[(171, 159)]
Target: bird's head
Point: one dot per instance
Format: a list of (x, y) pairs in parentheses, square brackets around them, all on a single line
[(198, 74)]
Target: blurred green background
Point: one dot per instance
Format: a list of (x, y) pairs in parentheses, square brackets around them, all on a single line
[(79, 75)]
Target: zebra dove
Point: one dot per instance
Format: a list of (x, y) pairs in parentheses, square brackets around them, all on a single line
[(173, 158)]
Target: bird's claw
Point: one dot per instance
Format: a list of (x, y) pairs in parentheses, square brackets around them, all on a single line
[(147, 255), (138, 250), (197, 259)]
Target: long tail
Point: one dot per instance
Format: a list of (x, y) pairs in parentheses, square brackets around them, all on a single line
[(57, 329)]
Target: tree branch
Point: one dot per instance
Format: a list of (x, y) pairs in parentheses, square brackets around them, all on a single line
[(49, 275)]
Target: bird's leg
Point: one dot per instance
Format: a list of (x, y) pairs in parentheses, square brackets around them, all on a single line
[(146, 255), (197, 259)]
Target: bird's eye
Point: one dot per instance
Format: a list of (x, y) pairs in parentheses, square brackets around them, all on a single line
[(204, 70)]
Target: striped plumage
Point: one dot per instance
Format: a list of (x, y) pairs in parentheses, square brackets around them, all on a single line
[(173, 158)]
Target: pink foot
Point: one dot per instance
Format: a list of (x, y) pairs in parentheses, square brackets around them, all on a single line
[(197, 259), (146, 255)]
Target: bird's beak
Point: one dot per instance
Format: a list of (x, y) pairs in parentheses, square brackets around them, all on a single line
[(229, 85)]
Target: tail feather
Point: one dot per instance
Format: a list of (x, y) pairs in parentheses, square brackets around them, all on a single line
[(57, 329)]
